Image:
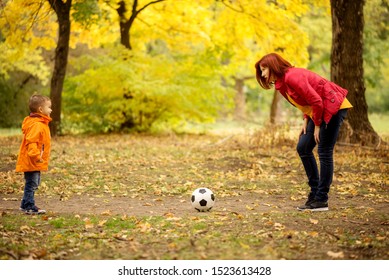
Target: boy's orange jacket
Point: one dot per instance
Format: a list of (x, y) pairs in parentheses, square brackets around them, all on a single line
[(34, 152)]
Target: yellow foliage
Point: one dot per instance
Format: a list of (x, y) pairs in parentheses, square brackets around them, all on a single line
[(241, 31), (24, 40)]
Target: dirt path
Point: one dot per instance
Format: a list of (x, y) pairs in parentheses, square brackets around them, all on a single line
[(152, 206)]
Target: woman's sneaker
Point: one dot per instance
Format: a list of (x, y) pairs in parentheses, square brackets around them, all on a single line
[(35, 211), (314, 206), (306, 206)]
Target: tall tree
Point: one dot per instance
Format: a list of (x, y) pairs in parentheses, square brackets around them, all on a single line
[(62, 9), (274, 109), (126, 23), (22, 39), (347, 68), (240, 97), (245, 30)]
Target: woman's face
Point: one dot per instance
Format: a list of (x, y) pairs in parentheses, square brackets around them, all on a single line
[(266, 74)]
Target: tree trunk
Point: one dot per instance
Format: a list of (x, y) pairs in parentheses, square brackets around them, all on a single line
[(62, 9), (125, 25), (240, 97), (347, 69), (240, 100), (274, 110)]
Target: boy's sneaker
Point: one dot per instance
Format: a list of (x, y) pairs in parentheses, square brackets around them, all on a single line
[(22, 209), (35, 211), (314, 206)]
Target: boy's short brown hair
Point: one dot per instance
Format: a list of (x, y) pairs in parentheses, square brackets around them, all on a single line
[(37, 100)]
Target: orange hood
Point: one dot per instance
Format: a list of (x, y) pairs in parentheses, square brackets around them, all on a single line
[(29, 121)]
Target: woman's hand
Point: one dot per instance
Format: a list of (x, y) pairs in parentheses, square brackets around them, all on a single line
[(304, 128), (317, 134)]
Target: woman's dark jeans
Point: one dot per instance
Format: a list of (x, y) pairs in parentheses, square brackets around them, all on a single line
[(32, 181), (320, 184)]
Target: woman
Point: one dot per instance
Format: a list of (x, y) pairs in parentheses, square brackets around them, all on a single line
[(324, 105)]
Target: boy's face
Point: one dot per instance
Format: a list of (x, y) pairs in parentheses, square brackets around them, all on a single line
[(45, 109)]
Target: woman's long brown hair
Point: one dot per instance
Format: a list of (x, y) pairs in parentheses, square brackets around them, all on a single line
[(277, 67)]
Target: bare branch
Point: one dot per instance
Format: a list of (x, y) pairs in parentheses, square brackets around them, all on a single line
[(151, 3), (241, 10)]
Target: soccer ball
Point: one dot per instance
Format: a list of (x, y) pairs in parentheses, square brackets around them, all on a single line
[(203, 199)]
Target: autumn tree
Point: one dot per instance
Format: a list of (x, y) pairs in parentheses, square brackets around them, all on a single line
[(83, 11), (127, 13), (62, 10), (347, 68), (245, 30), (28, 28), (22, 68), (274, 109), (375, 54)]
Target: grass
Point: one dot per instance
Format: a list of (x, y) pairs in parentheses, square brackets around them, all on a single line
[(206, 237), (126, 197), (380, 123), (10, 132)]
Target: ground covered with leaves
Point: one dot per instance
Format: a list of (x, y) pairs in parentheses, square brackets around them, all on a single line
[(128, 197)]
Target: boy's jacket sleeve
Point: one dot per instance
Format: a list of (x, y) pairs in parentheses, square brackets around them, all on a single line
[(32, 142)]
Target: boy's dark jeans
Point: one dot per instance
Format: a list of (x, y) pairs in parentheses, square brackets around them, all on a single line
[(320, 184), (32, 181)]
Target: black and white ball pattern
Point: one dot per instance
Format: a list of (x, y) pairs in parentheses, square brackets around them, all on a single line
[(203, 199)]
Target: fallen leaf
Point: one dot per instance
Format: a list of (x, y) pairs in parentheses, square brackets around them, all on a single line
[(313, 221), (58, 236), (88, 223), (279, 226), (169, 215), (40, 253), (249, 208), (10, 199), (173, 219), (106, 213), (101, 223), (144, 227), (336, 255), (24, 228), (244, 246)]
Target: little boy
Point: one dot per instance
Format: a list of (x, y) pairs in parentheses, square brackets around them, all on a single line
[(34, 151)]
